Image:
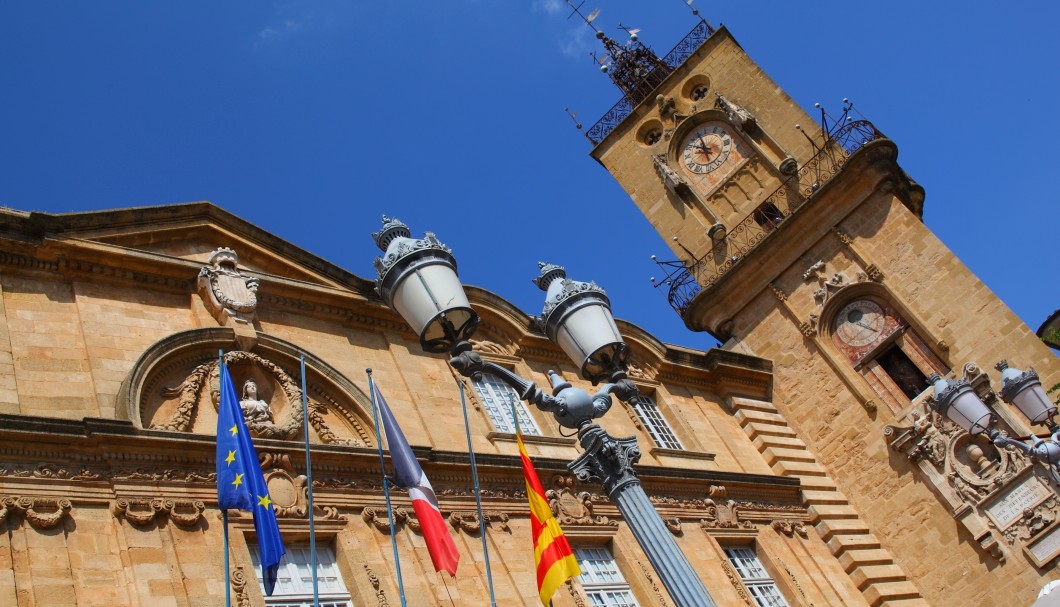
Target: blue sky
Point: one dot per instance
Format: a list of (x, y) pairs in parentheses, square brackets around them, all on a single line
[(311, 119)]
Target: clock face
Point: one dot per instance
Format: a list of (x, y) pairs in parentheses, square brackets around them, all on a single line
[(859, 323), (706, 148)]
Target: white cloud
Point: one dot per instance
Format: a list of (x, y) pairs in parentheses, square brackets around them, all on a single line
[(548, 6), (270, 32), (577, 42)]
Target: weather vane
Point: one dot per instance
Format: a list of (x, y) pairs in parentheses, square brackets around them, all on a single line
[(576, 10)]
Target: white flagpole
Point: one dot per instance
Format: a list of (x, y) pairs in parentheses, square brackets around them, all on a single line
[(478, 495), (386, 486), (309, 475)]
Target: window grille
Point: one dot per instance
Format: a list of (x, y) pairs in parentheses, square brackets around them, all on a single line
[(654, 422), (294, 580), (601, 580), (754, 576), (497, 398)]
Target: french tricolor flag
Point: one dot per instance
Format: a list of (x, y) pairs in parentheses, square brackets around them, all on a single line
[(409, 475)]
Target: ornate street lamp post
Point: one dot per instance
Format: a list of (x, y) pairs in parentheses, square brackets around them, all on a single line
[(956, 400), (417, 278)]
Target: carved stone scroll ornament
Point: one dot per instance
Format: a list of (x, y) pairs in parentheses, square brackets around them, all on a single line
[(468, 521), (578, 600), (673, 182), (1034, 521), (790, 528), (653, 583), (225, 292), (725, 515), (141, 512), (39, 512), (573, 508), (735, 581), (326, 434), (377, 517), (737, 114), (239, 587), (373, 579), (673, 524)]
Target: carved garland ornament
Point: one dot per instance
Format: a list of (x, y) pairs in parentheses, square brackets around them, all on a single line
[(377, 517), (239, 587), (735, 581), (654, 585), (186, 513), (40, 512), (373, 579), (468, 521)]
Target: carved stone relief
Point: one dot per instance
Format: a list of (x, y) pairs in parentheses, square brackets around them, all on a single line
[(790, 528), (226, 293), (141, 512), (735, 581), (468, 521), (573, 508), (377, 518), (1007, 495), (648, 575), (373, 579), (40, 512), (271, 401), (239, 587), (724, 515)]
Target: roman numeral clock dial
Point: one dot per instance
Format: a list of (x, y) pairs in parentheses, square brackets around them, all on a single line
[(706, 149)]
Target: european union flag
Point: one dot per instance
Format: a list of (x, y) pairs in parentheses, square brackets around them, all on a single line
[(240, 483)]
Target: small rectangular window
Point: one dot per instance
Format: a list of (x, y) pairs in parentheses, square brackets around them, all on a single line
[(658, 429), (909, 378), (601, 580), (497, 398), (755, 577), (294, 580)]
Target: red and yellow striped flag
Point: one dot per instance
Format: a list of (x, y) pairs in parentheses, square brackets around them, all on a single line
[(552, 554)]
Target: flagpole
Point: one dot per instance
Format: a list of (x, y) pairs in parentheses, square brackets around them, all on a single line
[(224, 513), (386, 486), (478, 495), (228, 580), (309, 476)]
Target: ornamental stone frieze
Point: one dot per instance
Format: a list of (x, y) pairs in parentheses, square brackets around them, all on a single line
[(225, 291)]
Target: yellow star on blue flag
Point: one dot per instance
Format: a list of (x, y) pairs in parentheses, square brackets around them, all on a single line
[(240, 482)]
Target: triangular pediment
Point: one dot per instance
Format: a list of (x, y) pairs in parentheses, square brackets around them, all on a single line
[(189, 232)]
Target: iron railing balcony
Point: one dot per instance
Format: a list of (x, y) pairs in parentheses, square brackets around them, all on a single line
[(684, 280), (650, 81)]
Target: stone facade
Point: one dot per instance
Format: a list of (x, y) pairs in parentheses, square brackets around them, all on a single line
[(110, 326), (786, 261)]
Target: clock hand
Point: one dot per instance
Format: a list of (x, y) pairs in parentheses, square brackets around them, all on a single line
[(703, 146)]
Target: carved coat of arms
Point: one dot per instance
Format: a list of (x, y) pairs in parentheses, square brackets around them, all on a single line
[(225, 291)]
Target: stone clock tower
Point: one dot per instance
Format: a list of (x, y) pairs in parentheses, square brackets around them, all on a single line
[(806, 246)]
